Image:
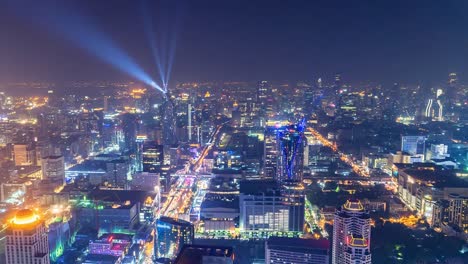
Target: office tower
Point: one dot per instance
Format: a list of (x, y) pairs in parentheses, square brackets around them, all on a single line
[(262, 92), (171, 236), (414, 145), (152, 157), (291, 143), (458, 211), (26, 239), (337, 83), (53, 168), (140, 140), (23, 155), (286, 250), (452, 89), (189, 122), (264, 209), (168, 123), (270, 152), (351, 234), (116, 172), (129, 129), (201, 254)]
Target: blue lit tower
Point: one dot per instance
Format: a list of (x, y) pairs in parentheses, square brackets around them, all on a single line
[(290, 163)]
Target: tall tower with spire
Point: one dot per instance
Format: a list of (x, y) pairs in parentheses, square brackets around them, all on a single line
[(351, 234)]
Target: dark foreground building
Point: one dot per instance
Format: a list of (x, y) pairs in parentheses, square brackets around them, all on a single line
[(285, 250), (199, 254)]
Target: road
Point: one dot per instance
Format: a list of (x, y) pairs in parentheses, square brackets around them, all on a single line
[(357, 168), (179, 198), (195, 166)]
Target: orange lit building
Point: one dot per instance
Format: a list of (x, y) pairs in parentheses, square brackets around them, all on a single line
[(26, 239)]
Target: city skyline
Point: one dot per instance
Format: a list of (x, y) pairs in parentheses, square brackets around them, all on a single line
[(233, 132)]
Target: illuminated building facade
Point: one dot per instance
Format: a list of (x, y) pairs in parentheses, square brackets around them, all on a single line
[(414, 145), (53, 168), (264, 209), (23, 154), (152, 157), (270, 152), (201, 254), (111, 244), (171, 236), (458, 212), (168, 123), (351, 234), (26, 240), (291, 143), (287, 250)]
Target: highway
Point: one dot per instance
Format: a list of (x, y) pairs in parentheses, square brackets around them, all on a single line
[(357, 168), (179, 198), (195, 166)]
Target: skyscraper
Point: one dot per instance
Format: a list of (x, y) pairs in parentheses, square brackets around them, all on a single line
[(152, 157), (414, 145), (262, 92), (290, 163), (26, 240), (168, 123), (53, 168), (265, 208), (288, 250), (24, 154), (270, 152), (351, 234), (171, 236)]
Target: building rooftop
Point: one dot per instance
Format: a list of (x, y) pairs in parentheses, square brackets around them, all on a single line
[(435, 174), (52, 157), (24, 217), (89, 166), (195, 254), (290, 242), (357, 241), (120, 196), (100, 259), (253, 187), (173, 221), (353, 205)]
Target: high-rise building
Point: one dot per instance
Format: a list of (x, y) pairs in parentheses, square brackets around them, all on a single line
[(171, 236), (452, 88), (53, 168), (264, 209), (414, 145), (351, 234), (23, 154), (168, 123), (287, 250), (291, 143), (129, 129), (262, 92), (26, 239), (152, 157), (458, 211), (201, 254), (270, 152), (117, 172)]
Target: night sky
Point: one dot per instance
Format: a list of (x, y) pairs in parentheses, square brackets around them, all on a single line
[(382, 41)]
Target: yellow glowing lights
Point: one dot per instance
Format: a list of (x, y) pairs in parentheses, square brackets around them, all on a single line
[(24, 217), (353, 205)]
